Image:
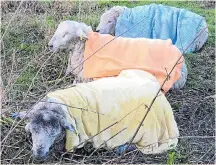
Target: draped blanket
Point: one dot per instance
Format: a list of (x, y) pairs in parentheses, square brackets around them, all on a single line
[(163, 22), (122, 102), (152, 55)]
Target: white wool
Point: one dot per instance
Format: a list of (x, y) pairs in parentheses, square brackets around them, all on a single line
[(75, 64), (66, 32)]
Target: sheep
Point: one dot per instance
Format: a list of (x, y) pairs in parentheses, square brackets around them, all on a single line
[(157, 22), (67, 32), (75, 30), (48, 125), (66, 119)]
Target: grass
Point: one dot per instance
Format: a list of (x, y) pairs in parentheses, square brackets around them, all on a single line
[(171, 157), (29, 71)]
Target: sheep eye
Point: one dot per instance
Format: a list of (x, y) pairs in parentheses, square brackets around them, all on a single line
[(109, 21)]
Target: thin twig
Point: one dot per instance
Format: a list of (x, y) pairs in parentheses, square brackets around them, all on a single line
[(88, 139), (179, 137), (11, 19), (37, 74), (152, 102), (8, 87), (17, 154), (103, 130), (105, 143)]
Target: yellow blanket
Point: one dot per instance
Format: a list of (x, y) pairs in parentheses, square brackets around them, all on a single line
[(123, 99)]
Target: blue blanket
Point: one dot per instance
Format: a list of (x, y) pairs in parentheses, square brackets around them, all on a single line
[(163, 22)]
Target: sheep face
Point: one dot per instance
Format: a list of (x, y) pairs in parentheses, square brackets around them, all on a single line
[(47, 125), (108, 20), (66, 32), (45, 128)]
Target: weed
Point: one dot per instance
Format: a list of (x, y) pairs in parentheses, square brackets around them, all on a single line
[(171, 157)]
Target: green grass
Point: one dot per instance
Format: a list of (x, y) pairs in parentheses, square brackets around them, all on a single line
[(171, 157), (27, 77), (192, 78), (51, 22)]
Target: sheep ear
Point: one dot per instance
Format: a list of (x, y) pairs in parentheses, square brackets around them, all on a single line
[(117, 13), (106, 9), (83, 35), (89, 28), (67, 126), (70, 127)]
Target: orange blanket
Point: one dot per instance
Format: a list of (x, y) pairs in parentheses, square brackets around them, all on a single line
[(152, 55)]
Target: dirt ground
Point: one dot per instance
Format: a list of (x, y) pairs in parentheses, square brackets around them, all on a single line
[(29, 71)]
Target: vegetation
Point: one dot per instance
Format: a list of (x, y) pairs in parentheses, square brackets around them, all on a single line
[(29, 71)]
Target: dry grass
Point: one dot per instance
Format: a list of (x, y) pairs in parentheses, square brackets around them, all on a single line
[(30, 71)]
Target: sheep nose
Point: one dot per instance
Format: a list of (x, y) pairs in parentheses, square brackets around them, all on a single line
[(40, 154), (50, 47), (44, 155)]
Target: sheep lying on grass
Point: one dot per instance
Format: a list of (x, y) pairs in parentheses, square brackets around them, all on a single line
[(70, 117), (156, 22), (67, 31)]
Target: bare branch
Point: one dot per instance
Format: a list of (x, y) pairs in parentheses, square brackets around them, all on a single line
[(152, 102)]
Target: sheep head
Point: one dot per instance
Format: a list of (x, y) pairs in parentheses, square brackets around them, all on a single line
[(108, 20), (66, 32), (47, 127)]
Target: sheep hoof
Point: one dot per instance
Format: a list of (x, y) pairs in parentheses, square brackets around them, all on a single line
[(121, 149)]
